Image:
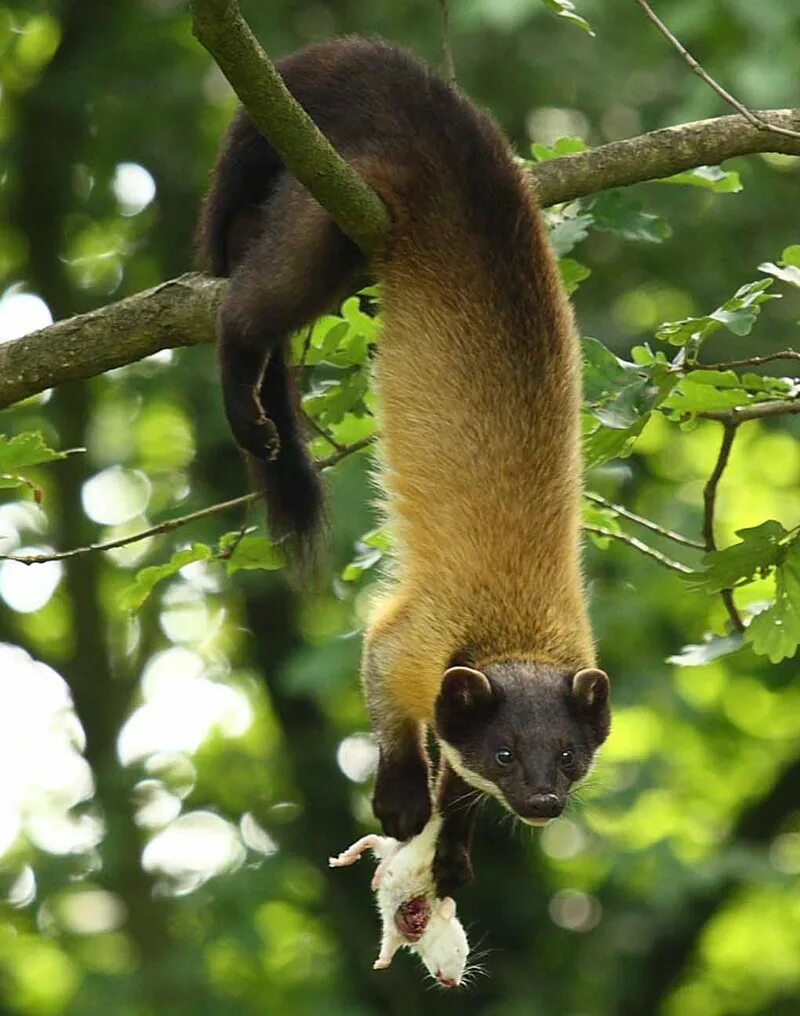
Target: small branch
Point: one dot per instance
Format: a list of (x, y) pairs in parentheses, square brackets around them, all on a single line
[(306, 346), (322, 432), (342, 453), (447, 52), (123, 541), (181, 520), (643, 548), (751, 361), (760, 411), (747, 113), (710, 490), (668, 534), (219, 26), (710, 503)]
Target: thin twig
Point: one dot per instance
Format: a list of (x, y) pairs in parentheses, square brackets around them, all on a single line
[(747, 113), (306, 346), (751, 361), (710, 503), (163, 527), (356, 446), (741, 414), (181, 520), (640, 520), (447, 51), (642, 547), (322, 432)]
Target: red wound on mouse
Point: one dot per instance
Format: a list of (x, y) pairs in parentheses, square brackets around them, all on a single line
[(411, 918)]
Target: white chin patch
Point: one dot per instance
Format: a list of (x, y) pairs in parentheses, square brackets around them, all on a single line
[(535, 821)]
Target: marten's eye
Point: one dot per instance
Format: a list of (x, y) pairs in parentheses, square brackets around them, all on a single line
[(566, 758), (505, 756)]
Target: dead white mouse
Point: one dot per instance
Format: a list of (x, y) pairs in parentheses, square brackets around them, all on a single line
[(411, 913)]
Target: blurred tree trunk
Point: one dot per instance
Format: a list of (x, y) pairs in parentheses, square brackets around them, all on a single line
[(54, 117)]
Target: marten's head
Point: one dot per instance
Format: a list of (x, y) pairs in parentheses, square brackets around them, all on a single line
[(523, 732)]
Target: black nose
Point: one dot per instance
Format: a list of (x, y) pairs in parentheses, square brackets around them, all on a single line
[(544, 806)]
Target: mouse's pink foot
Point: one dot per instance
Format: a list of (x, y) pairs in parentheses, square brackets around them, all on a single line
[(354, 852)]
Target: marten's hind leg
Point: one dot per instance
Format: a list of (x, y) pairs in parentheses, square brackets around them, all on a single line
[(402, 796), (299, 266)]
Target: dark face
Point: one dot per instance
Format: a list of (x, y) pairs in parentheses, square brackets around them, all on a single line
[(522, 731)]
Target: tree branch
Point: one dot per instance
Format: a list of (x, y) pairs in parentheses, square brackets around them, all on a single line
[(182, 311), (168, 525), (747, 113), (643, 548), (219, 26), (447, 50), (654, 527), (710, 503), (750, 361), (661, 154), (760, 411)]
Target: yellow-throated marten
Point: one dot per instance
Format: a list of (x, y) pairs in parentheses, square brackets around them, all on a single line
[(482, 632)]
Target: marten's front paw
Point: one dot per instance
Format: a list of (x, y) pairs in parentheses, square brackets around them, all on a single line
[(402, 798), (452, 868)]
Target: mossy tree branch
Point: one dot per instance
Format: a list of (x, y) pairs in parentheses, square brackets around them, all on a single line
[(182, 311), (662, 153)]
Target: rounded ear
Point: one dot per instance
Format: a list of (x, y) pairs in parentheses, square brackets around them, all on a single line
[(465, 698), (590, 688), (464, 689), (447, 908)]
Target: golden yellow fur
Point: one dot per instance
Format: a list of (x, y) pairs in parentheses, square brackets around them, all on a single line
[(481, 469)]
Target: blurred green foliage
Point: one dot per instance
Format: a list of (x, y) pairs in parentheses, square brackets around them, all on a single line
[(164, 827)]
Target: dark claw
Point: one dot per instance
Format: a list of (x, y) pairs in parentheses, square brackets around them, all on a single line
[(402, 798)]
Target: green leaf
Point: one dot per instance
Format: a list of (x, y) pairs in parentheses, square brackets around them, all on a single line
[(565, 9), (135, 595), (253, 552), (573, 273), (618, 212), (791, 255), (563, 146), (786, 273), (569, 232), (710, 178), (617, 393), (604, 373), (371, 549), (25, 450), (711, 648), (691, 396), (775, 632), (759, 550), (330, 400), (22, 452), (603, 443), (738, 315)]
